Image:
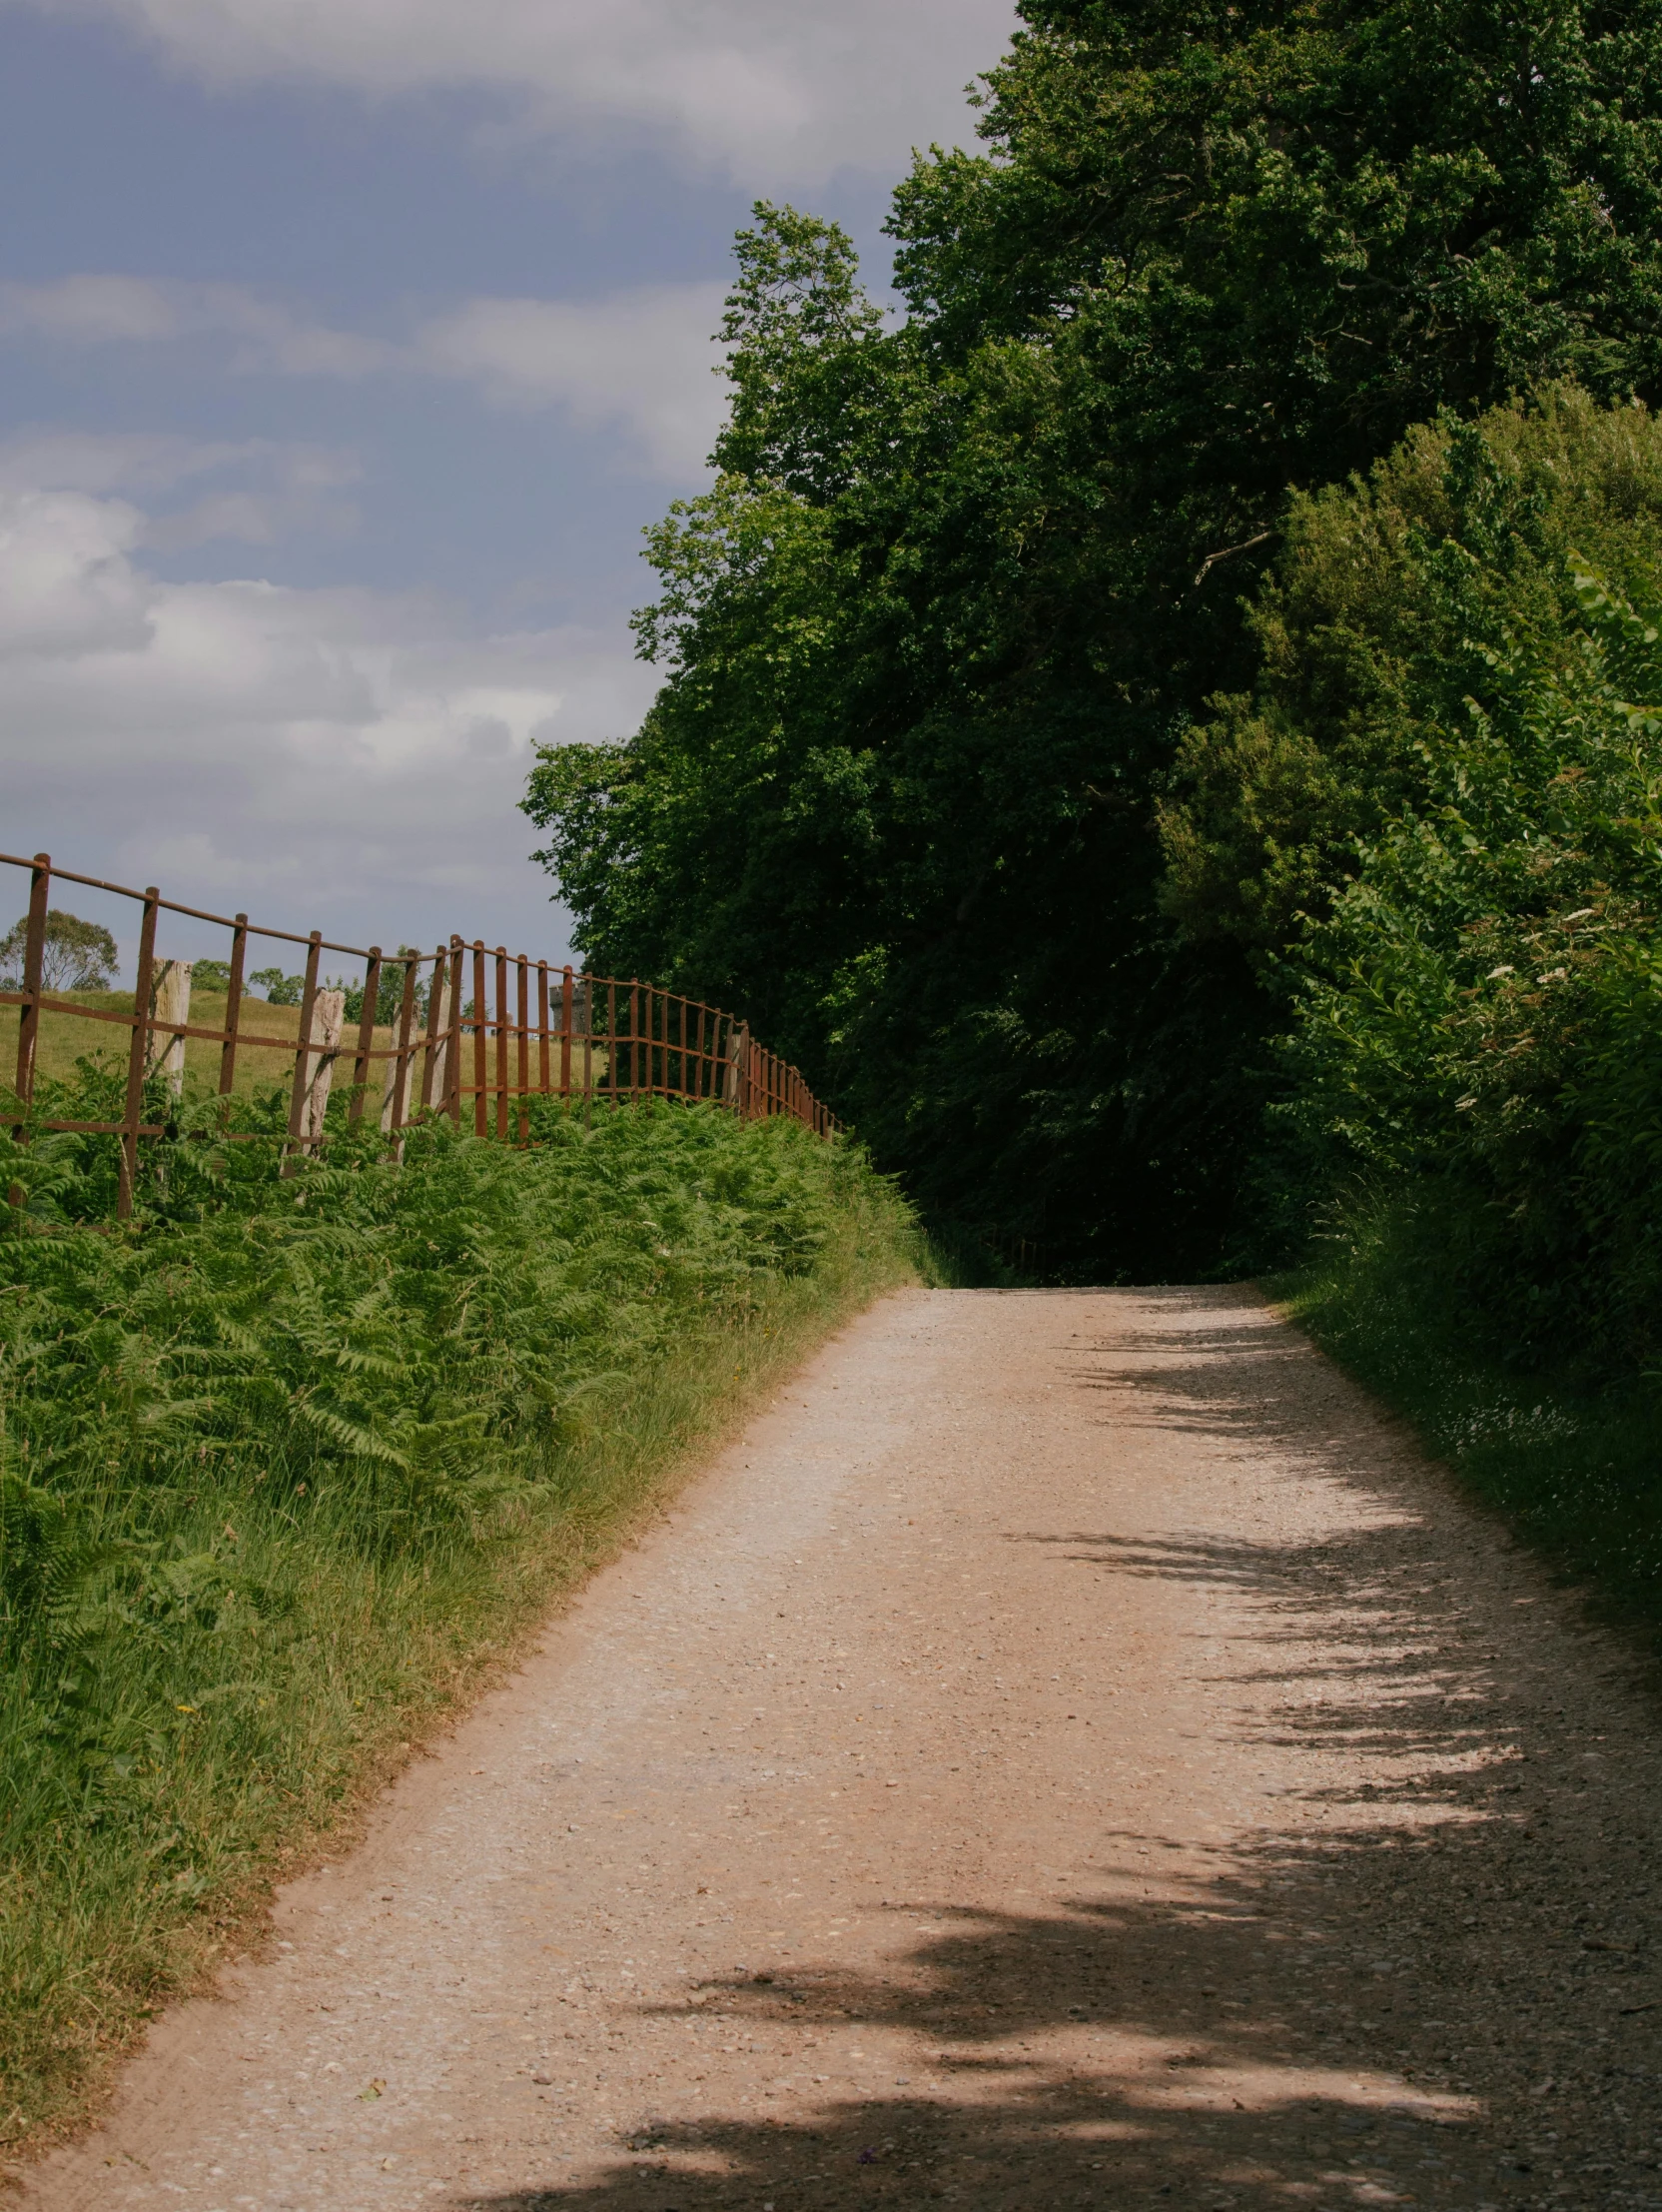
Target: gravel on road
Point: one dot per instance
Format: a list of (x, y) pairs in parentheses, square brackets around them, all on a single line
[(1070, 1750)]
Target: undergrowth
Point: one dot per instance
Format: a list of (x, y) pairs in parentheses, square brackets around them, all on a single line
[(1563, 1452), (284, 1464)]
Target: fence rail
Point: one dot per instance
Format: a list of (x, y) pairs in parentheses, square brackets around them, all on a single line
[(473, 1033)]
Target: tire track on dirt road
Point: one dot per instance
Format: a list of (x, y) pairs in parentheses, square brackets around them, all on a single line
[(1070, 1750)]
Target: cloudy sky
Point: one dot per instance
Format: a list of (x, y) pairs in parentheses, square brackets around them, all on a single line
[(346, 347)]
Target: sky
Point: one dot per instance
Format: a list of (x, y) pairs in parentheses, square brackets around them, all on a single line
[(346, 348)]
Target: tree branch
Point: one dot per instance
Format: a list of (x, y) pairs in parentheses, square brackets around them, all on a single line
[(1227, 552)]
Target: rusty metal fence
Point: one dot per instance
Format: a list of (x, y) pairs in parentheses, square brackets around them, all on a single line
[(473, 1033)]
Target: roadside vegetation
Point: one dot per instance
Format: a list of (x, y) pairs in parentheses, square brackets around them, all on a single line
[(285, 1466), (1435, 825)]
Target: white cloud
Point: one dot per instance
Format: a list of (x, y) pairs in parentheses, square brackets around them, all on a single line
[(350, 760), (639, 363), (642, 362), (275, 490), (112, 310), (111, 460), (66, 585), (773, 92)]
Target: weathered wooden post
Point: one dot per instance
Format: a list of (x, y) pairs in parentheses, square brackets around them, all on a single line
[(394, 1098), (322, 1023), (297, 1090), (738, 1051), (328, 1014), (432, 1071), (170, 1001)]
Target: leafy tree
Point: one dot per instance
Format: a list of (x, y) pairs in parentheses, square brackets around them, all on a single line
[(279, 989), (1394, 601), (76, 955), (932, 642), (1476, 1035)]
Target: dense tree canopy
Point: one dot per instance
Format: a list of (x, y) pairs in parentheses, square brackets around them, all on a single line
[(934, 643), (1455, 751)]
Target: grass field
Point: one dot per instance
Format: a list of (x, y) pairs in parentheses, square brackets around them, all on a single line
[(282, 1478), (64, 1041)]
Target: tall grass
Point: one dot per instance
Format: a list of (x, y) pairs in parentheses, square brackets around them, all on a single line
[(284, 1464)]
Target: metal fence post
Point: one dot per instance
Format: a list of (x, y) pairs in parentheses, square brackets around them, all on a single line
[(523, 1058), (544, 1073), (459, 958), (233, 1006), (34, 959), (366, 1035), (138, 1053)]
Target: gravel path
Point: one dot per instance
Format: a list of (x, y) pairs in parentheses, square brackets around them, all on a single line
[(1070, 1751)]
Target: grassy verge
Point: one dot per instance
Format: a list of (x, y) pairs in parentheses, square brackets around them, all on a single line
[(1571, 1460), (281, 1481), (64, 1041)]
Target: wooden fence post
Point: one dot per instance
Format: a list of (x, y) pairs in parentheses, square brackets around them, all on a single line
[(170, 1001), (432, 1065), (136, 1054), (566, 1010), (741, 1068), (394, 1097), (328, 1016), (297, 1092)]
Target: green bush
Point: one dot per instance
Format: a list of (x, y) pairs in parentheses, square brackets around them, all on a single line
[(1435, 821)]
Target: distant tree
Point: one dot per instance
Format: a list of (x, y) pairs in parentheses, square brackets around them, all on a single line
[(211, 975), (76, 957), (279, 989)]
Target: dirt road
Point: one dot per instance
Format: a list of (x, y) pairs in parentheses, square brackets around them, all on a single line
[(1069, 1752)]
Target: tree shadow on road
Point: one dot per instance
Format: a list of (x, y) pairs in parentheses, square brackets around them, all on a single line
[(1435, 1987)]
